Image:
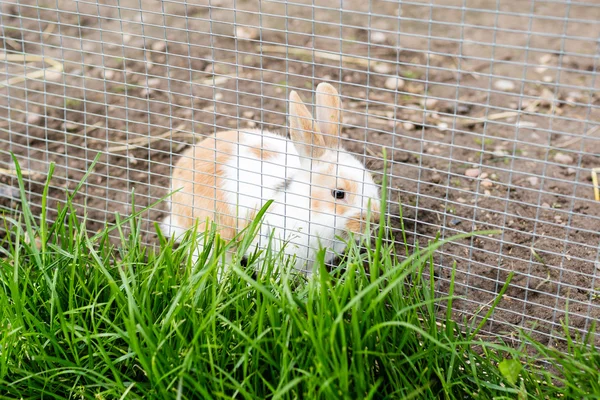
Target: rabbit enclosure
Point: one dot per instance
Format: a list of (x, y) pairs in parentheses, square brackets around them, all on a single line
[(488, 112)]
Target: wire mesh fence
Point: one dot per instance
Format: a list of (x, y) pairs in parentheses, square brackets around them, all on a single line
[(488, 111)]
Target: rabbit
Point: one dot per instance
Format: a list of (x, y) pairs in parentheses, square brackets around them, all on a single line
[(320, 191)]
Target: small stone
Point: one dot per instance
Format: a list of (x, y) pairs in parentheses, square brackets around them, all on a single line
[(436, 178), (461, 200), (34, 119), (533, 180), (70, 126), (210, 69), (574, 97), (154, 82), (500, 153), (548, 78), (248, 114), (442, 126), (472, 172), (483, 175), (108, 74), (395, 83), (487, 183), (504, 85), (562, 158), (487, 193), (545, 59), (526, 124), (378, 37), (541, 70), (494, 177), (545, 205), (246, 33), (463, 109), (571, 171), (251, 124), (429, 103), (547, 97), (408, 126), (159, 46), (146, 92), (382, 68), (218, 96)]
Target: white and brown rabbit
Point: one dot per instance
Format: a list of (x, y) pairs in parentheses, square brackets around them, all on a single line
[(320, 191)]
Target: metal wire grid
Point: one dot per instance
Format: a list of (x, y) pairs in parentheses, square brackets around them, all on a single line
[(133, 71)]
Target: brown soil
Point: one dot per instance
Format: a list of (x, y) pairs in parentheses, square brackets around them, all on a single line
[(132, 76)]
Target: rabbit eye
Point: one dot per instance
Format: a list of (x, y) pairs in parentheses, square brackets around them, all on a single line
[(338, 194)]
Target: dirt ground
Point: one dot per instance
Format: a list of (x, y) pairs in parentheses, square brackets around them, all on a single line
[(493, 126)]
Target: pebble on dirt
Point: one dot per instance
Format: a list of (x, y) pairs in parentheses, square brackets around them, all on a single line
[(504, 85), (108, 74), (154, 82), (246, 33), (436, 178), (34, 119), (378, 37), (472, 172), (159, 46), (562, 158), (395, 83), (382, 68), (429, 103), (408, 126), (487, 183)]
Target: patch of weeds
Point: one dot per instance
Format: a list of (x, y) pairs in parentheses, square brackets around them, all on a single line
[(72, 103), (485, 142)]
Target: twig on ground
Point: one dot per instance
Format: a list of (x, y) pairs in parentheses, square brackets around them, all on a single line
[(12, 172), (55, 66), (574, 140), (315, 54), (214, 81), (147, 140), (595, 172), (49, 30)]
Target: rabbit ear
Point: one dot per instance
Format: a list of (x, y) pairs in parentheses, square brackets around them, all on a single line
[(329, 114), (304, 131)]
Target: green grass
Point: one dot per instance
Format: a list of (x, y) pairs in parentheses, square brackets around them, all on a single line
[(84, 318), (72, 103)]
